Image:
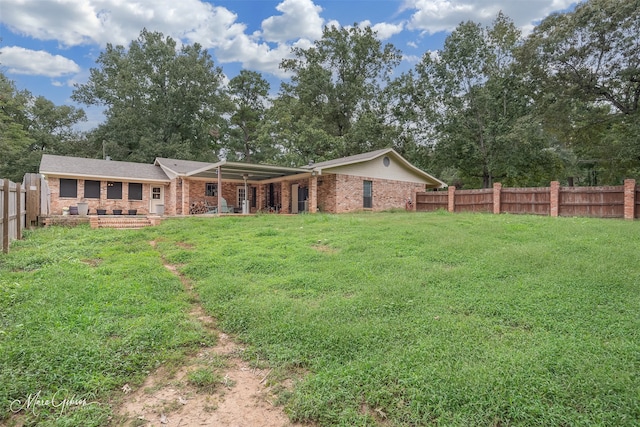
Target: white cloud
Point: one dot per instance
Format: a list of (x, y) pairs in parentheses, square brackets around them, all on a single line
[(299, 19), (19, 60), (432, 16), (98, 22), (386, 31)]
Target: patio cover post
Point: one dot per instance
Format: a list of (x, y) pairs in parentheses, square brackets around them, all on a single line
[(219, 190)]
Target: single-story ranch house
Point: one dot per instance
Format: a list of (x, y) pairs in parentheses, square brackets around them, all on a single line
[(377, 180)]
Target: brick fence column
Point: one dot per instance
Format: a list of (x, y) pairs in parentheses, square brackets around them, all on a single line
[(497, 189), (554, 198), (629, 198), (451, 191)]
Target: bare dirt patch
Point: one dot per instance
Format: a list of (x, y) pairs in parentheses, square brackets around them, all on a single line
[(241, 395)]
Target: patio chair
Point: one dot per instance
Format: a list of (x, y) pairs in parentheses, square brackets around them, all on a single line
[(224, 208)]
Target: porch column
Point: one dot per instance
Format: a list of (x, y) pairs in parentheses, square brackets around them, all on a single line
[(286, 197), (260, 193), (219, 190), (313, 193), (184, 202)]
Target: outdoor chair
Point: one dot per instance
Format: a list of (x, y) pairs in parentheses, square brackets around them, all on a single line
[(224, 208)]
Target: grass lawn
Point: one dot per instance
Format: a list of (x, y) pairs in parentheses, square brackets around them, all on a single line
[(394, 318)]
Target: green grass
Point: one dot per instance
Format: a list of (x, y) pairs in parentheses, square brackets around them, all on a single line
[(404, 319), (83, 312)]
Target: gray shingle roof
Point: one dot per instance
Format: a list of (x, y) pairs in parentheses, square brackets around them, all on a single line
[(97, 168), (349, 159)]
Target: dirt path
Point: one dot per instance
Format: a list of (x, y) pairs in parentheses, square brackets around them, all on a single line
[(171, 397)]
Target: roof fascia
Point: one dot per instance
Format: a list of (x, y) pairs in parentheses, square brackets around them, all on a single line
[(101, 177)]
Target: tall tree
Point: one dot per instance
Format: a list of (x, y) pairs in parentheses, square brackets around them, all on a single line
[(160, 100), (586, 68), (469, 99), (30, 126), (333, 103), (249, 93), (14, 138)]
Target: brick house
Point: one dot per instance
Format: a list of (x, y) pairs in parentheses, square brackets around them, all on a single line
[(378, 180)]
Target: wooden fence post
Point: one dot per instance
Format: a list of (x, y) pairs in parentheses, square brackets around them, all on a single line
[(18, 211), (5, 217), (497, 189), (629, 198), (452, 198), (554, 198)]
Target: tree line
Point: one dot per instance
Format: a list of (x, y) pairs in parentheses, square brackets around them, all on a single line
[(491, 105)]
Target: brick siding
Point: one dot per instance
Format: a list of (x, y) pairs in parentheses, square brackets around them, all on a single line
[(344, 193), (57, 203)]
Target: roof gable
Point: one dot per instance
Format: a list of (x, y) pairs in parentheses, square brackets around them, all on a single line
[(373, 164)]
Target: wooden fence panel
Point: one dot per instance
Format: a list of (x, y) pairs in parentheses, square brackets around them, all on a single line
[(599, 202), (12, 212), (535, 201), (432, 201), (474, 200)]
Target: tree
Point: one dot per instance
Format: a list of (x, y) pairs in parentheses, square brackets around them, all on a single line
[(249, 94), (468, 98), (585, 71), (161, 101), (333, 105), (30, 126), (14, 139)]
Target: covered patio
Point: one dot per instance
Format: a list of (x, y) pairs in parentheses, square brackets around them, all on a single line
[(249, 188)]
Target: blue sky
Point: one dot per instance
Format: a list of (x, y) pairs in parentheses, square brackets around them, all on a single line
[(47, 46)]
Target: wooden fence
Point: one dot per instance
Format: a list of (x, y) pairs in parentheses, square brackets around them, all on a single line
[(621, 201), (21, 206)]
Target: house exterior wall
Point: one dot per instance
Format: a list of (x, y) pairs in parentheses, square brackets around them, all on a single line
[(348, 193), (327, 193), (57, 203)]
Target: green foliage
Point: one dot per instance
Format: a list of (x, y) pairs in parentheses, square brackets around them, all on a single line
[(335, 99), (249, 93), (161, 101), (28, 126), (472, 98), (586, 69)]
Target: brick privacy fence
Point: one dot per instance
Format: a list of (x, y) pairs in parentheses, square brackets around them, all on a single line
[(621, 201)]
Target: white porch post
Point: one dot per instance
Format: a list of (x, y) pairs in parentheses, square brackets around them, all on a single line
[(219, 190)]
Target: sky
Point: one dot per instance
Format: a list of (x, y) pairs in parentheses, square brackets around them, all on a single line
[(48, 46)]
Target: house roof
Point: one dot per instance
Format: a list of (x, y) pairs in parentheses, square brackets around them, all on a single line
[(237, 170), (97, 168), (162, 168), (372, 155)]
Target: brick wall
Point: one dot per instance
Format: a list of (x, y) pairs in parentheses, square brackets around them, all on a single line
[(57, 203), (348, 189), (327, 193)]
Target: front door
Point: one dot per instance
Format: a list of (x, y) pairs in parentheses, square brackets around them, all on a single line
[(157, 198)]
